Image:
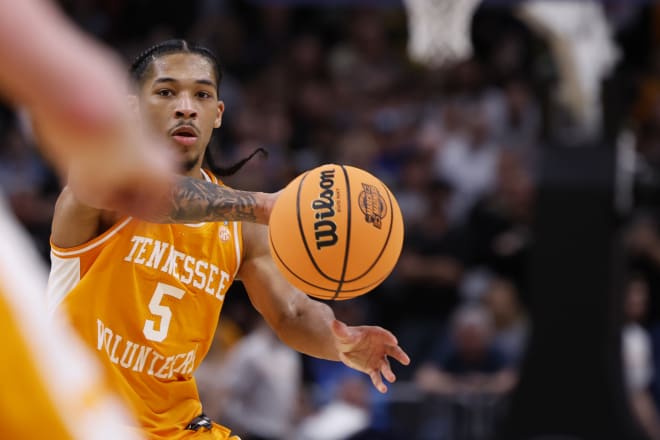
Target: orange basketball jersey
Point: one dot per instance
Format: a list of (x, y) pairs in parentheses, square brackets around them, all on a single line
[(146, 298)]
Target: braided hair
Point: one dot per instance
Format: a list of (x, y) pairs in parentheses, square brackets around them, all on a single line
[(140, 68), (142, 63)]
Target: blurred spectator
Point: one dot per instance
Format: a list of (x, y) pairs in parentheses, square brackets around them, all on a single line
[(637, 356), (345, 415), (393, 120), (466, 382), (468, 161), (511, 327), (500, 224), (415, 178), (470, 362)]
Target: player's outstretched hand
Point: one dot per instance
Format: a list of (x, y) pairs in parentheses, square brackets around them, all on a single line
[(368, 349)]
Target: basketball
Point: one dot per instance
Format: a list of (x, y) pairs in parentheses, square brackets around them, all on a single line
[(336, 232)]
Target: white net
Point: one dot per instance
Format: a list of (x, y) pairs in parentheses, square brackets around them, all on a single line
[(581, 41), (439, 30)]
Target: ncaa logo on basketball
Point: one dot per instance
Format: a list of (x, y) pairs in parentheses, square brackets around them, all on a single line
[(223, 233), (325, 229), (372, 205)]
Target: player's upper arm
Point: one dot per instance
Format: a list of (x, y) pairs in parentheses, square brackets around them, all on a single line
[(73, 222), (269, 292)]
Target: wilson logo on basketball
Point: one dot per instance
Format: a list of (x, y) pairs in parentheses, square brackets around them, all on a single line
[(325, 229), (372, 205)]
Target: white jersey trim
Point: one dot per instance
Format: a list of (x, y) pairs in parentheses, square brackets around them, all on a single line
[(237, 242), (64, 275)]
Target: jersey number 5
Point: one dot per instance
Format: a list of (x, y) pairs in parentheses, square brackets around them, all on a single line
[(164, 312)]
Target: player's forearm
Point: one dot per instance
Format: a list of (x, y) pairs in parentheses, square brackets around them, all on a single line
[(307, 330), (193, 201)]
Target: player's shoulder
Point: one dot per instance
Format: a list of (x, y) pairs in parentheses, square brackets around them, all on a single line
[(74, 222), (67, 201)]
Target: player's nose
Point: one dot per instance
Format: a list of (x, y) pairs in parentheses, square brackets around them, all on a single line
[(184, 107)]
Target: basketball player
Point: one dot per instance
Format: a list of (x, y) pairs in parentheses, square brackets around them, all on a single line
[(146, 296)]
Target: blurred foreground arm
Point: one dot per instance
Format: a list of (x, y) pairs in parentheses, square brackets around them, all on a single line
[(75, 91)]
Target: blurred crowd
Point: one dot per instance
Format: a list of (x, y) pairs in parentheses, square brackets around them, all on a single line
[(459, 149)]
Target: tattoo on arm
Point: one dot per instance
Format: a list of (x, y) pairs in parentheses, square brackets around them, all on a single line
[(194, 200)]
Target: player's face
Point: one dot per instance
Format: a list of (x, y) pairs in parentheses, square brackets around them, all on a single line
[(179, 97)]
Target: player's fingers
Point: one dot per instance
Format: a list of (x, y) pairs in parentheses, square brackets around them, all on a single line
[(386, 336), (386, 371), (377, 380), (396, 352)]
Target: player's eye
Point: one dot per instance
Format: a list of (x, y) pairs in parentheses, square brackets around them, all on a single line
[(204, 95), (165, 92)]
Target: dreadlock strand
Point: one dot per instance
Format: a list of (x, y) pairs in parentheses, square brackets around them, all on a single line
[(231, 170)]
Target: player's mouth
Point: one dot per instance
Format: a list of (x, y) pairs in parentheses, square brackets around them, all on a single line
[(185, 135)]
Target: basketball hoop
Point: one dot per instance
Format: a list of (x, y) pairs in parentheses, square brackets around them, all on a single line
[(439, 30), (583, 46)]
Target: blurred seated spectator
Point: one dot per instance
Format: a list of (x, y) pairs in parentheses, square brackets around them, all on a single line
[(511, 326), (469, 362), (346, 414)]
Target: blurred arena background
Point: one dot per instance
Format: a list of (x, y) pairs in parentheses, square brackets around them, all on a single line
[(528, 174)]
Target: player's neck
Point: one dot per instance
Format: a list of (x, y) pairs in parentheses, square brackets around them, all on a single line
[(196, 173)]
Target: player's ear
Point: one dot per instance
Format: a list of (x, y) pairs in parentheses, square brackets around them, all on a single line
[(218, 119)]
